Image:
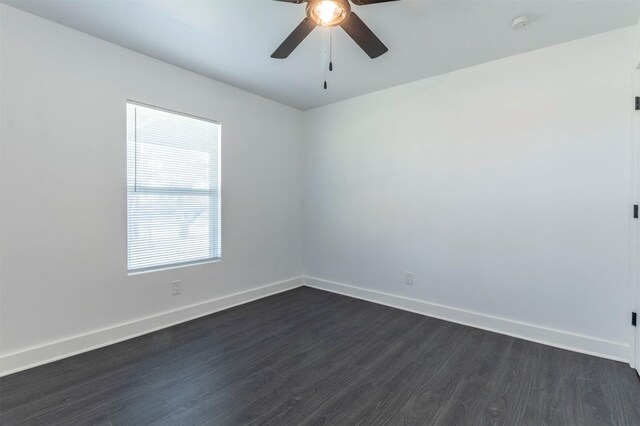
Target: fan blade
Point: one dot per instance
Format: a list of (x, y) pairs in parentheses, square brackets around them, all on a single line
[(362, 35), (294, 39), (364, 2), (302, 1)]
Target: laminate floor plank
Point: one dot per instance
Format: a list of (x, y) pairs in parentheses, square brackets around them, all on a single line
[(309, 357), (385, 380), (184, 361), (302, 394), (149, 351), (315, 357)]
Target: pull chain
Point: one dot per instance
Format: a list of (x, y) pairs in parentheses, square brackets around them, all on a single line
[(324, 63), (331, 49)]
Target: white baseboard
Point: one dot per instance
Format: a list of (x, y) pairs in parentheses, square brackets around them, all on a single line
[(32, 357), (535, 333)]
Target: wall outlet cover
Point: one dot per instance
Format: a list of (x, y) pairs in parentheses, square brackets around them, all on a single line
[(408, 278)]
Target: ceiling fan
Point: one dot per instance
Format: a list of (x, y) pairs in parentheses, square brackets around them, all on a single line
[(331, 13)]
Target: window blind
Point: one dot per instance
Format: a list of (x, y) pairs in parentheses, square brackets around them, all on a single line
[(173, 188)]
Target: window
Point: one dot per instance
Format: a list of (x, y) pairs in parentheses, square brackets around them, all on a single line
[(173, 188)]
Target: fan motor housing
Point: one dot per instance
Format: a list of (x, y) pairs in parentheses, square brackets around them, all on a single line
[(313, 7)]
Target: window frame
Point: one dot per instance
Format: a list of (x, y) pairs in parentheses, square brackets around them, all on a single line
[(215, 229)]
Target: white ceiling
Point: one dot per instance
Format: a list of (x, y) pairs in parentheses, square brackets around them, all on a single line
[(232, 40)]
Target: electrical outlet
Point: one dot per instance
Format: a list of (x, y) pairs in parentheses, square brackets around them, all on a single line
[(408, 278), (176, 287)]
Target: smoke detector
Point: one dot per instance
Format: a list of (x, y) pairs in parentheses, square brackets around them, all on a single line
[(520, 22)]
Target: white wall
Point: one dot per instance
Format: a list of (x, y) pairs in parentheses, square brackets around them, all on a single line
[(504, 187), (63, 187)]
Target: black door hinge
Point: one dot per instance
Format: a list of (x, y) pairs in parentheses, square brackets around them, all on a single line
[(637, 103), (634, 319), (635, 211)]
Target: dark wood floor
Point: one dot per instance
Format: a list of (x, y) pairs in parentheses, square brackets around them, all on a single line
[(311, 357)]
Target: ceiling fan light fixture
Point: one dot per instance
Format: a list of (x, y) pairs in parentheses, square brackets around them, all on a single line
[(328, 13)]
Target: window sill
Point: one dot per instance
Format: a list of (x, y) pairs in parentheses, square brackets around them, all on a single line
[(169, 267)]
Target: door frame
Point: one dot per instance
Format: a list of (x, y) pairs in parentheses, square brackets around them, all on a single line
[(634, 238)]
